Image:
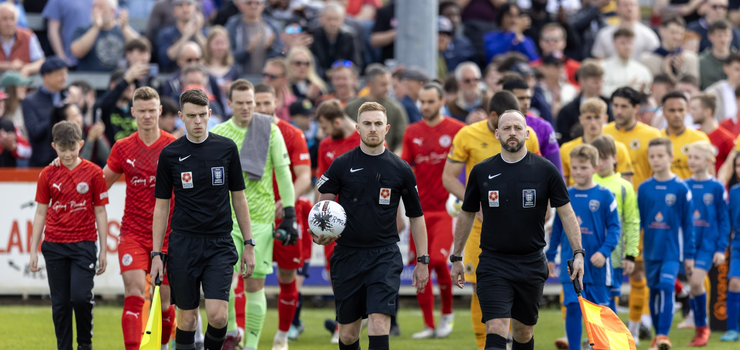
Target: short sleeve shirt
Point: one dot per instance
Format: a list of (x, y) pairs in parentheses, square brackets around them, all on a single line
[(106, 52)]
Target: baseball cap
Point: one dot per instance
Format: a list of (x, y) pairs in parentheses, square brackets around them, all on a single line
[(301, 107), (522, 68), (444, 25), (417, 74), (13, 78), (51, 64)]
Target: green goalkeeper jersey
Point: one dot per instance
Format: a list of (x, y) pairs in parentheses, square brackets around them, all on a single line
[(629, 216)]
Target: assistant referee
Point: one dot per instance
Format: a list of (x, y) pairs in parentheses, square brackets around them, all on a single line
[(513, 190), (203, 169), (366, 265)]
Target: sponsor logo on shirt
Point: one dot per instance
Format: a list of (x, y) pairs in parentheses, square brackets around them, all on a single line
[(187, 179), (217, 176), (529, 198), (418, 141), (138, 181), (493, 200), (74, 206), (129, 161), (330, 155), (57, 186), (385, 196)]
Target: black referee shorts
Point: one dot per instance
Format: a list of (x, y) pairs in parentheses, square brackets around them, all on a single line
[(200, 259), (365, 281), (511, 286)]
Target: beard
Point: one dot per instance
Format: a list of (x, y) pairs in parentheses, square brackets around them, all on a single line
[(433, 115), (512, 148), (369, 143), (337, 134)]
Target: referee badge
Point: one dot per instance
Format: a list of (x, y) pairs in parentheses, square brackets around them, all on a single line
[(385, 196), (529, 198), (187, 179), (217, 176), (493, 199)]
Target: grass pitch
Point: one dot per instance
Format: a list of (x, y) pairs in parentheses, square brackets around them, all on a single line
[(30, 327)]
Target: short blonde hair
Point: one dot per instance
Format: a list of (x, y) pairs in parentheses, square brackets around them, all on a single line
[(145, 93), (593, 105), (370, 107), (705, 148), (585, 152)]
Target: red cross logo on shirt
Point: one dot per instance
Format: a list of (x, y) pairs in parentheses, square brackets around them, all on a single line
[(385, 193), (493, 195), (186, 177)]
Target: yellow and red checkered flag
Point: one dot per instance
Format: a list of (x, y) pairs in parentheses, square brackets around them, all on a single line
[(604, 329)]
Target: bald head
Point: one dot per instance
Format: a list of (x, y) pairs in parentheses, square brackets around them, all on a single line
[(191, 53), (514, 116)]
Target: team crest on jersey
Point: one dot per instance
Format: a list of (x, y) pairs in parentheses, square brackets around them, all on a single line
[(594, 205), (659, 217), (529, 198), (635, 144), (670, 199), (685, 149), (217, 176), (187, 179), (493, 199), (708, 198), (82, 188), (697, 214), (126, 259), (445, 140), (385, 196)]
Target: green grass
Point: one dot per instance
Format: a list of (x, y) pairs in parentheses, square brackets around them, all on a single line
[(30, 327)]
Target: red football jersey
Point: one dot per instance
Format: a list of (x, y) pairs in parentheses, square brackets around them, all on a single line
[(297, 147), (730, 125), (71, 196), (725, 143), (330, 149), (425, 148), (138, 162)]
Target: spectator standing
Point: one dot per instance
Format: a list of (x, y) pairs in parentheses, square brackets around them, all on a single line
[(161, 17), (556, 89), (21, 50), (479, 18), (275, 74), (378, 79), (469, 95), (82, 94), (413, 79), (139, 51), (64, 17), (715, 10), (100, 46), (511, 35), (343, 77), (192, 54), (586, 24), (188, 27), (591, 79), (645, 39), (552, 40), (37, 108), (383, 35), (219, 61), (724, 90), (304, 80), (14, 148), (15, 86), (670, 58), (331, 42), (114, 107), (460, 49), (623, 69), (254, 38), (712, 59)]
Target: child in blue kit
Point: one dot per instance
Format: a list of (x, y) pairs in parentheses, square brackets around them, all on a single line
[(597, 215), (733, 296), (711, 230), (666, 216)]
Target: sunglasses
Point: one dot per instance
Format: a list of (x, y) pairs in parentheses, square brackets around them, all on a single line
[(469, 81), (269, 76), (551, 38), (344, 63), (293, 30), (718, 7), (253, 3), (192, 60), (300, 63)]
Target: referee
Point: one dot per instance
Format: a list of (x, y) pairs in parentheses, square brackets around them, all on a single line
[(513, 190), (366, 265), (202, 168)]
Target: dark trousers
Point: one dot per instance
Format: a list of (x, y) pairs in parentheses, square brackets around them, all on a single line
[(71, 268)]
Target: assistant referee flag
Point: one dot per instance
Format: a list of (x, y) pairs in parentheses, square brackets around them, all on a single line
[(152, 339), (604, 329)]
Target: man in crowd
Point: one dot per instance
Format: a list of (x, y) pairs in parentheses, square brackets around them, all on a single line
[(100, 46)]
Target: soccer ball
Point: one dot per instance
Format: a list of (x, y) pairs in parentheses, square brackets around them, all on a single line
[(327, 218), (453, 205)]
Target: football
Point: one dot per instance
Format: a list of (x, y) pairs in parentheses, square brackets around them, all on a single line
[(327, 218), (453, 205)]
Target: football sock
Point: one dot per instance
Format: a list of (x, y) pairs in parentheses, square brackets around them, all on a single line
[(281, 335), (131, 321), (256, 310), (378, 342), (573, 326), (168, 319), (613, 304), (495, 342), (666, 310), (240, 302), (214, 338), (476, 317), (733, 311), (637, 299), (700, 310), (646, 307), (444, 281), (298, 306), (353, 346), (426, 303), (287, 300), (184, 340), (523, 346)]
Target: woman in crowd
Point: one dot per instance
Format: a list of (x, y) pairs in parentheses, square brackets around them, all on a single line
[(304, 80)]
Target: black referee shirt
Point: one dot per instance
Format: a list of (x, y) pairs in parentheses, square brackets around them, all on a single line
[(514, 198), (370, 188), (202, 175)]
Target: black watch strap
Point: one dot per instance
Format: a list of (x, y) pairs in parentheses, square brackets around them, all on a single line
[(424, 259), (153, 254), (250, 242), (454, 258), (579, 251)]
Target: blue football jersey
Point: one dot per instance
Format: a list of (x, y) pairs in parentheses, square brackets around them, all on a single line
[(666, 217), (735, 215), (711, 215)]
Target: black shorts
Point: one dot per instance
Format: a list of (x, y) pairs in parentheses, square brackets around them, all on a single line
[(203, 259), (365, 281), (511, 286)]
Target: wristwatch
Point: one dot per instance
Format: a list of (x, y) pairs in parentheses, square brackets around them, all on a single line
[(424, 259), (579, 251), (250, 242), (153, 254), (454, 258)]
